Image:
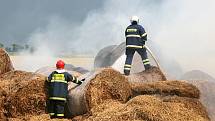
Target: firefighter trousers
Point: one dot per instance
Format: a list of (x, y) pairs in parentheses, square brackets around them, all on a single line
[(56, 108), (129, 57)]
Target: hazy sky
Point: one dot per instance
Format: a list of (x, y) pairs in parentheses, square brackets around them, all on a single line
[(181, 31), (19, 18)]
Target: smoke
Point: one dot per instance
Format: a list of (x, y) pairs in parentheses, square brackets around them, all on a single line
[(187, 35), (119, 63), (181, 32)]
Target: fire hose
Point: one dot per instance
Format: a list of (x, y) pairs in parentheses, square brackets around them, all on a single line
[(154, 58)]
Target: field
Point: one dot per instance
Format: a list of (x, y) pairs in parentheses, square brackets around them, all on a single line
[(33, 63)]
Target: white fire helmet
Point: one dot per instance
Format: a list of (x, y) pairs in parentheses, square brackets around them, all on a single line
[(134, 18)]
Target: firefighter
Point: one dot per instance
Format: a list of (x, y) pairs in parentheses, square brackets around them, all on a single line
[(135, 41), (58, 90)]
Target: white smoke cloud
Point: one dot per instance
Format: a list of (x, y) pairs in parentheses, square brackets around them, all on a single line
[(187, 35), (182, 30)]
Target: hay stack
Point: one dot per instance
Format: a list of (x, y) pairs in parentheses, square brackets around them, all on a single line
[(206, 85), (145, 108), (165, 88), (14, 80), (151, 75), (207, 97), (100, 85), (2, 98), (25, 93), (189, 103), (109, 84), (154, 108), (43, 117), (5, 62), (156, 101)]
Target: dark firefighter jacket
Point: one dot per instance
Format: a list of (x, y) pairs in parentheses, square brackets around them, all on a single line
[(58, 85), (135, 36)]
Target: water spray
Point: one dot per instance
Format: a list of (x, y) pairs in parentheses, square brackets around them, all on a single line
[(154, 58)]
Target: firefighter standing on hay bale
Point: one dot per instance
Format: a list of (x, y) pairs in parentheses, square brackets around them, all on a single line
[(58, 90), (135, 41)]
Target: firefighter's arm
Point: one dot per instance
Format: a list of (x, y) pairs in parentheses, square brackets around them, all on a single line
[(143, 34), (126, 32), (49, 78), (74, 79)]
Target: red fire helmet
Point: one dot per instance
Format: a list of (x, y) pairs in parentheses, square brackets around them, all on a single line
[(60, 64)]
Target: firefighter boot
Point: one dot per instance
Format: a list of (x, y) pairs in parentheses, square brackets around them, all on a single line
[(147, 66), (126, 72)]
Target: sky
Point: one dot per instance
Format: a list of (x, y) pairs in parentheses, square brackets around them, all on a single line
[(19, 18), (181, 32)]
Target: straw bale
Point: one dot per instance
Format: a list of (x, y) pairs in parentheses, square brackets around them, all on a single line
[(164, 88), (206, 85), (25, 94), (207, 97), (143, 108), (2, 98), (99, 85), (14, 80), (81, 117), (151, 75), (43, 117), (154, 108), (107, 84), (5, 62), (190, 103)]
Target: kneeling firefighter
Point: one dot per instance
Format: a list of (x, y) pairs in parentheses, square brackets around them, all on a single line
[(58, 90), (135, 41)]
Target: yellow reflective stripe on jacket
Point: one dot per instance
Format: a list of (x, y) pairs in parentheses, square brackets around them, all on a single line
[(131, 30), (133, 35), (127, 68), (77, 81), (57, 98), (60, 114), (58, 77), (127, 65), (146, 63), (61, 81), (74, 78), (47, 79), (143, 35), (51, 114), (135, 46), (146, 60)]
